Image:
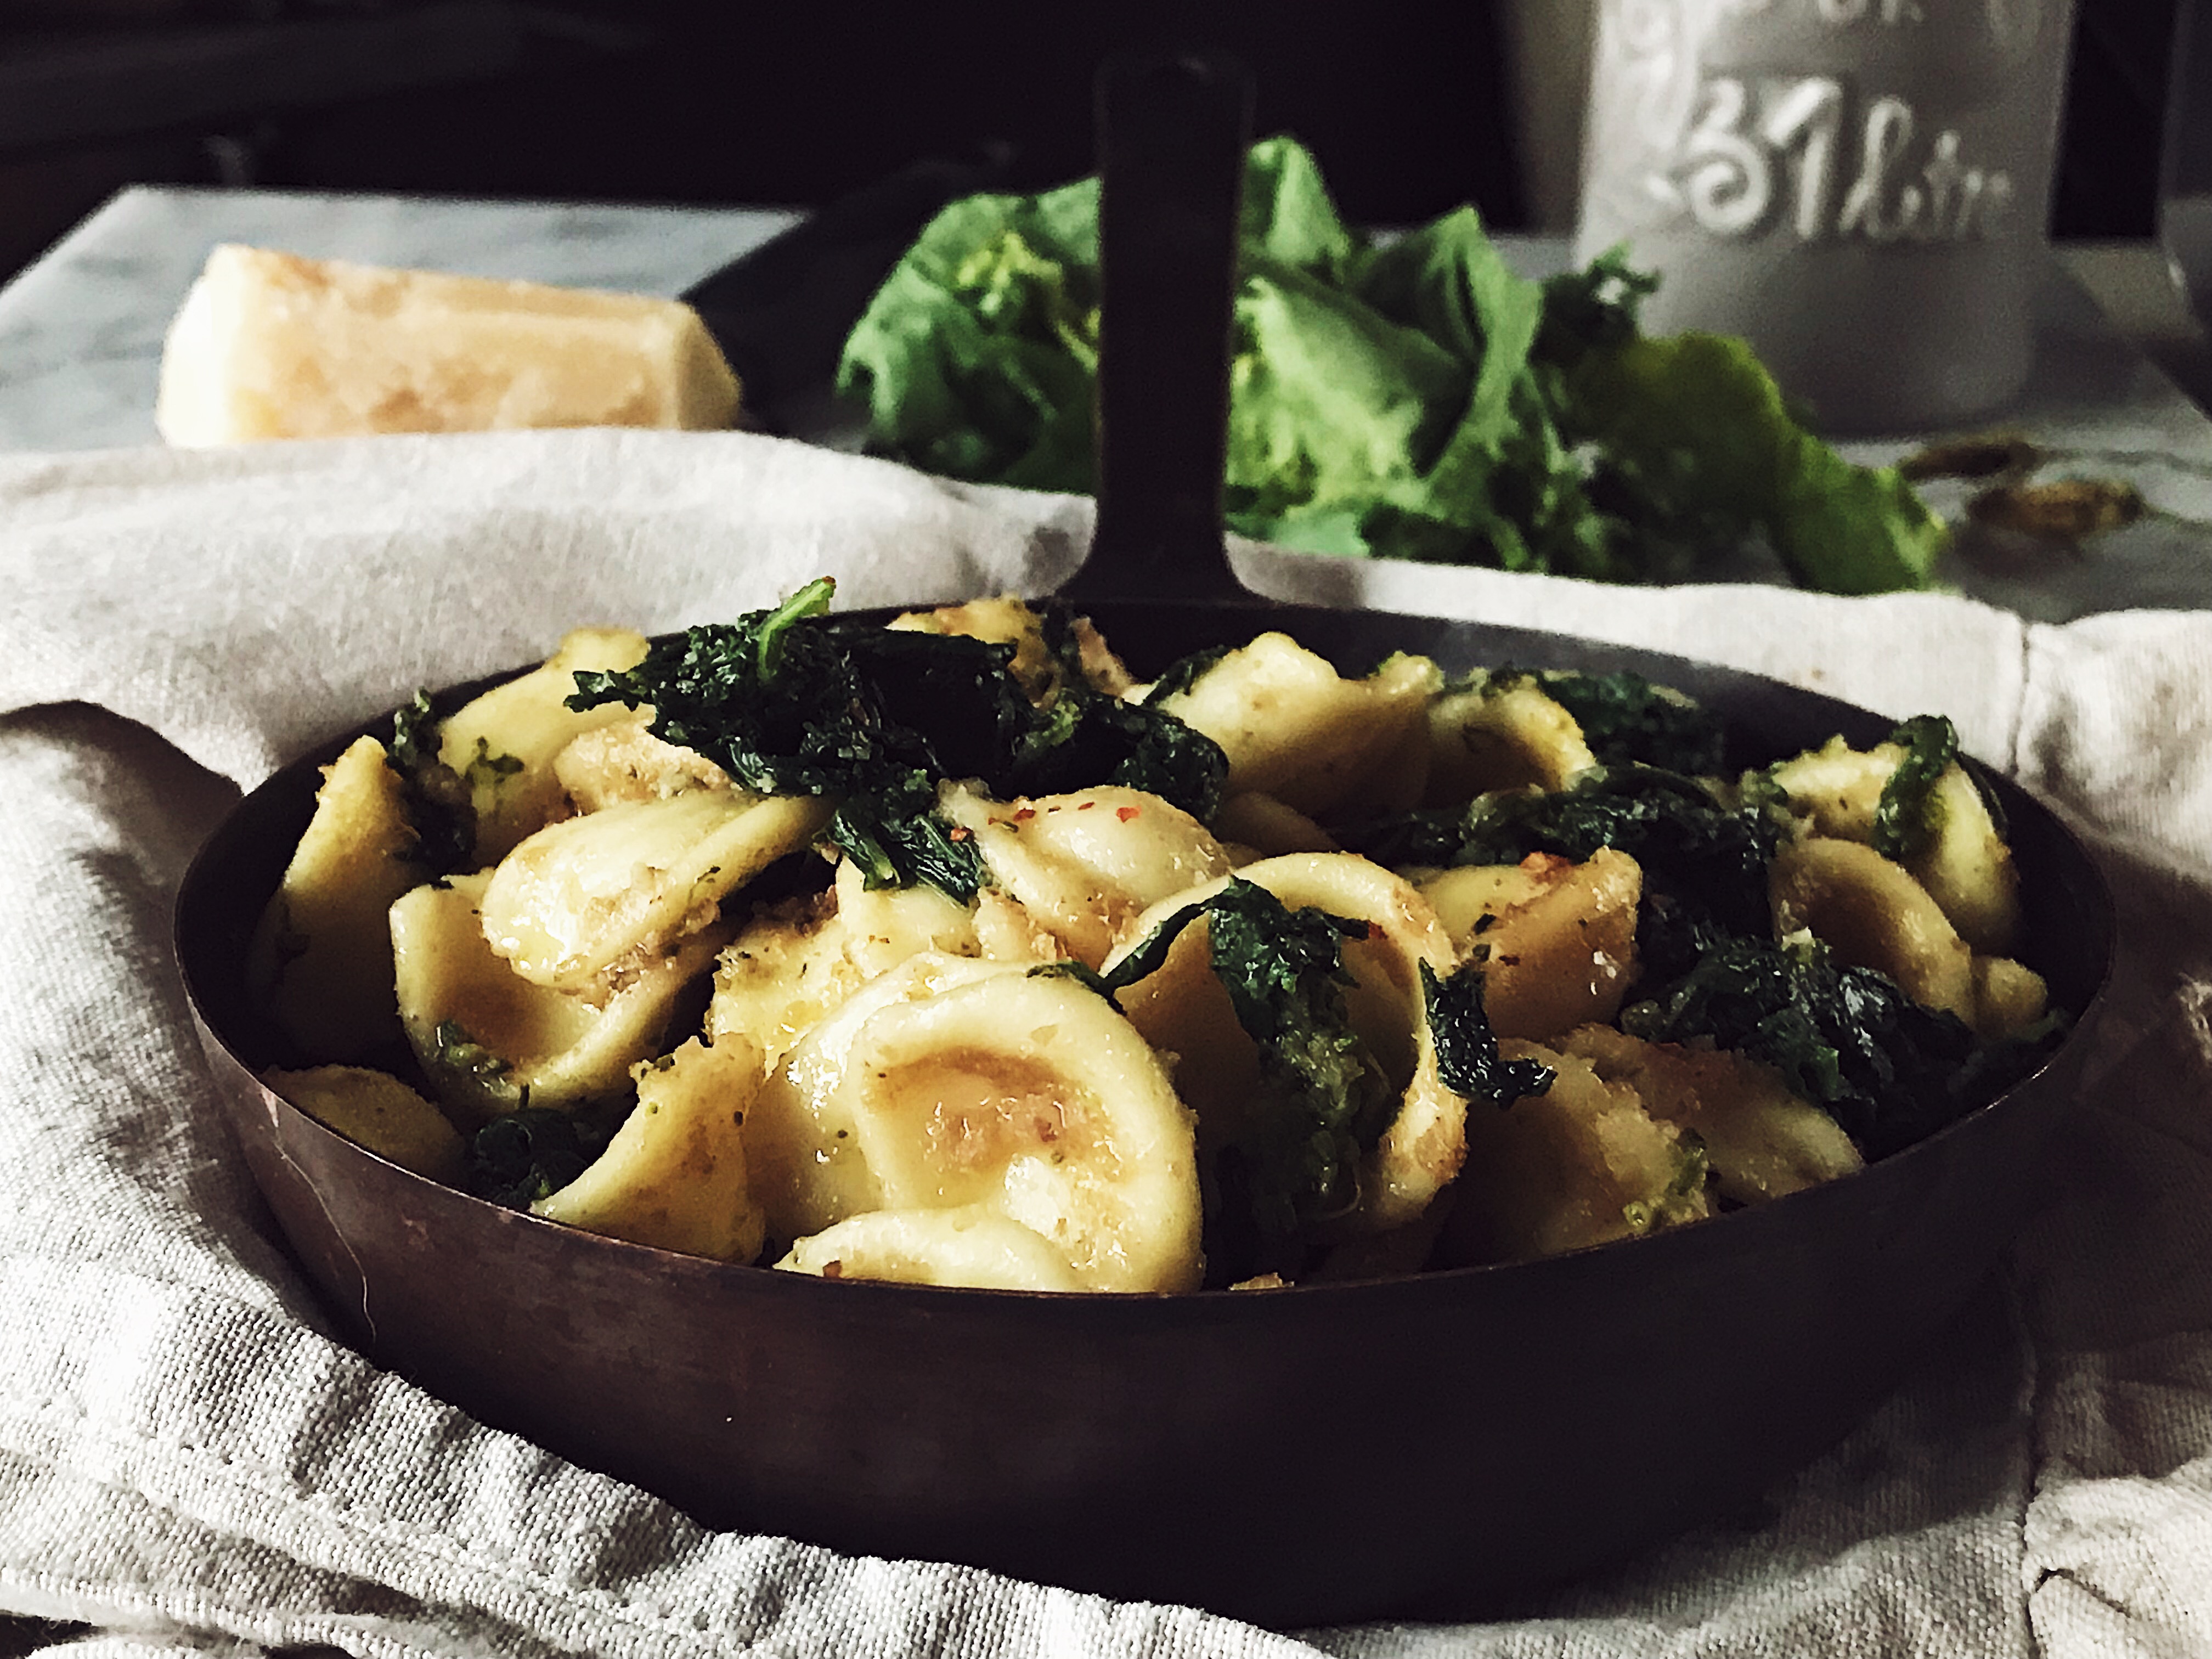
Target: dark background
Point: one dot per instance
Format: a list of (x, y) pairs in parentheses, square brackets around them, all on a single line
[(629, 100)]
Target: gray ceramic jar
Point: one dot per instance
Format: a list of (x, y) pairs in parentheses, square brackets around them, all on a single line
[(1861, 187)]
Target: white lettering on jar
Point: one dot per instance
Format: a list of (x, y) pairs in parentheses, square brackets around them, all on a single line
[(1752, 145), (1896, 13)]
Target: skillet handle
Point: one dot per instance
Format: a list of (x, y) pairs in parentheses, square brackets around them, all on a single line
[(1173, 132)]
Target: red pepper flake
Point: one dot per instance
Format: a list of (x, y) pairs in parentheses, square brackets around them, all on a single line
[(1125, 813), (1024, 814), (959, 832), (1086, 807)]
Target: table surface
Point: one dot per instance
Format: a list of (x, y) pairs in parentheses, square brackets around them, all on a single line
[(81, 334)]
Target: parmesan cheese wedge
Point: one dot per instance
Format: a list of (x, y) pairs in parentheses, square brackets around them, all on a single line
[(273, 345)]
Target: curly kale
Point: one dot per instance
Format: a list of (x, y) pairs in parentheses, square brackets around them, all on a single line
[(896, 838), (1186, 671), (459, 1052), (1468, 1058), (1708, 855), (437, 797), (1888, 1070), (532, 1153), (1084, 736), (793, 701), (1627, 720), (1909, 815), (1295, 1164)]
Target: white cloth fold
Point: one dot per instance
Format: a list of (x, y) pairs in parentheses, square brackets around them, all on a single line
[(188, 1460)]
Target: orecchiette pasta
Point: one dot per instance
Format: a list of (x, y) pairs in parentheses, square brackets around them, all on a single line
[(504, 746), (948, 954), (322, 954), (574, 904), (1295, 729)]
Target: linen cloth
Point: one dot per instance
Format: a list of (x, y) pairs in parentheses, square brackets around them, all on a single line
[(190, 1463)]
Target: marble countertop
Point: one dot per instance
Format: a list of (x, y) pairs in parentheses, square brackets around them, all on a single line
[(81, 334)]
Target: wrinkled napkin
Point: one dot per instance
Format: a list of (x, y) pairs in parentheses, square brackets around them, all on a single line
[(189, 1461)]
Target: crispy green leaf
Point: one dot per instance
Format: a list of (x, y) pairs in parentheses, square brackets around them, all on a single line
[(533, 1153), (439, 805), (1889, 1071), (1626, 718), (1468, 1058), (1910, 814), (792, 701)]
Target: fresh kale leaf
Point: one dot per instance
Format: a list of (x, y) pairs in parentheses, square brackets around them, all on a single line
[(1468, 1058), (1699, 422), (1418, 400), (1910, 813), (1593, 309)]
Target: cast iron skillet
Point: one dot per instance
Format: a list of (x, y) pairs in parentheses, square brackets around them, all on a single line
[(1438, 1446)]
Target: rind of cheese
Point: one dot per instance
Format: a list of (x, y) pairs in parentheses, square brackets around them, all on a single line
[(272, 345)]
